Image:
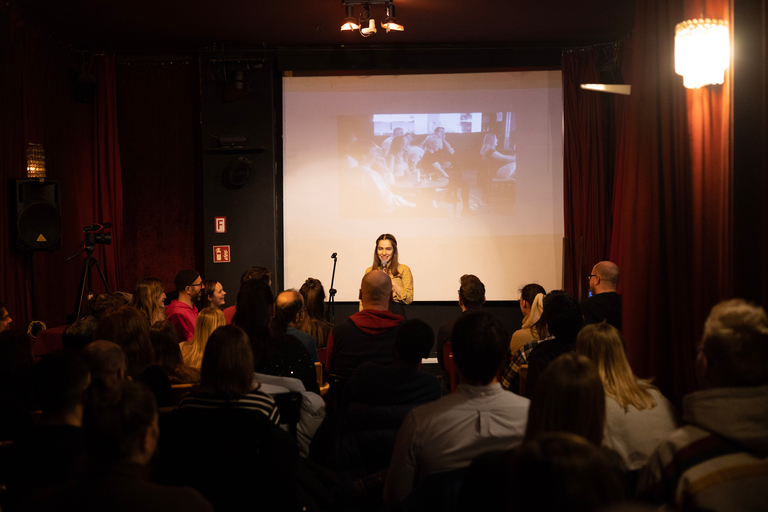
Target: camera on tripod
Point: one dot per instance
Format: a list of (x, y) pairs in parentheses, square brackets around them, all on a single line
[(95, 234)]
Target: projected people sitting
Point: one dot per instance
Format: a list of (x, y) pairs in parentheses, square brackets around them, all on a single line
[(367, 182), (397, 157), (507, 163), (434, 163), (385, 258)]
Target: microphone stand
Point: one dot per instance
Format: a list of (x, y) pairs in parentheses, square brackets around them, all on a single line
[(332, 292)]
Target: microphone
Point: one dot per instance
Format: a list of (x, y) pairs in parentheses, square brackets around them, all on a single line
[(333, 256), (384, 264)]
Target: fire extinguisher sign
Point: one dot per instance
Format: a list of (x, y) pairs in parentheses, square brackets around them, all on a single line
[(221, 254)]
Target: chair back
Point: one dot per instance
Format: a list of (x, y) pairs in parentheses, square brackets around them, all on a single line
[(523, 376), (450, 365)]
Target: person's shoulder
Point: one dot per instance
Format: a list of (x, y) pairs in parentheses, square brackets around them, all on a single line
[(368, 270), (403, 268)]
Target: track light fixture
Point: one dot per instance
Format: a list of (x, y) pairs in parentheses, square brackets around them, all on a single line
[(365, 24)]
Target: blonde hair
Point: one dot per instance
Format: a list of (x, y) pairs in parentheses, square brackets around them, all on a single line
[(603, 344), (146, 299), (207, 322)]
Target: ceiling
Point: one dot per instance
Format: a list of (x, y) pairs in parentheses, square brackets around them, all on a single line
[(189, 25)]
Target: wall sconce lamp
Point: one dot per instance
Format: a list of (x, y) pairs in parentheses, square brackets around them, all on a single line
[(702, 51), (365, 24), (35, 161)]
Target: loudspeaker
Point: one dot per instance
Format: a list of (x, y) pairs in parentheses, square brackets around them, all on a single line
[(38, 215)]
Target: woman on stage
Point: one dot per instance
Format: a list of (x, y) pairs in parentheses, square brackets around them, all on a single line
[(385, 258)]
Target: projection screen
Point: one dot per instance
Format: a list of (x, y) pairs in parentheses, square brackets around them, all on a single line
[(359, 155)]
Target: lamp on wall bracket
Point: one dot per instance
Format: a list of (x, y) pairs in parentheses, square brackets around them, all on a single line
[(365, 23), (702, 51)]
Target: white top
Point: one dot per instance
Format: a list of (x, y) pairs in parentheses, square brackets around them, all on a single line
[(634, 434)]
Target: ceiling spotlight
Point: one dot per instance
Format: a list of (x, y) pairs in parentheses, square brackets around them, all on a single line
[(390, 23), (350, 23), (365, 24)]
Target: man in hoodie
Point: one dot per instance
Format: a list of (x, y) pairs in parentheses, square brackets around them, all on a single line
[(369, 334), (718, 461)]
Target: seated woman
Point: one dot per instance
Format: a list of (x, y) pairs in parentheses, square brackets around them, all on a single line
[(638, 417), (569, 397), (148, 299), (313, 322), (534, 327), (226, 376), (505, 165), (211, 295), (396, 158), (208, 320), (165, 344), (274, 351)]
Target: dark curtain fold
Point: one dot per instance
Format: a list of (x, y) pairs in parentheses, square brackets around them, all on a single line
[(81, 152), (588, 168)]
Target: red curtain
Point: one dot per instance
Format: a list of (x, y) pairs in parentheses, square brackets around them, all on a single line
[(80, 142), (588, 168), (672, 197)]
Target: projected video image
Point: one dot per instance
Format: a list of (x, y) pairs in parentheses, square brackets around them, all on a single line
[(428, 165)]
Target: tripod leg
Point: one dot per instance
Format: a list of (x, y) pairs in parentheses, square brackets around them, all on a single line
[(81, 292), (103, 279)]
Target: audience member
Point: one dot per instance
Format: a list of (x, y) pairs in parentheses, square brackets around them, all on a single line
[(79, 333), (637, 416), (717, 461), (182, 312), (367, 335), (290, 304), (54, 452), (377, 398), (480, 417), (208, 320), (313, 322), (5, 318), (212, 295), (104, 302), (106, 363), (605, 302), (128, 328), (226, 376), (165, 344), (149, 299), (121, 432), (563, 317), (534, 326), (561, 472), (528, 338), (471, 298), (568, 398), (224, 439), (258, 273)]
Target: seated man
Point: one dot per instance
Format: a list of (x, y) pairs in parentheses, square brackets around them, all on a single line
[(367, 335), (479, 418), (605, 302), (718, 461), (182, 312), (121, 433), (290, 304)]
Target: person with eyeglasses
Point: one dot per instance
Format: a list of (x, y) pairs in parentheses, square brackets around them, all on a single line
[(604, 304), (182, 312)]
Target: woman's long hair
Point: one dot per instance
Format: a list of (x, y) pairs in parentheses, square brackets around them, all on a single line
[(534, 294), (313, 322), (129, 329), (147, 297), (255, 308), (602, 343), (207, 289), (227, 370), (208, 320), (569, 397), (394, 262), (165, 343)]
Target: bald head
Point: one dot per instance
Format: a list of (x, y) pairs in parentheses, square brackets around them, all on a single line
[(289, 303), (106, 360), (376, 290), (607, 277)]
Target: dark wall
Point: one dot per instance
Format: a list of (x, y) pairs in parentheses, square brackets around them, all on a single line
[(238, 154)]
